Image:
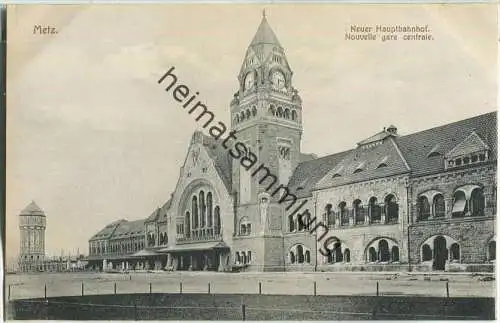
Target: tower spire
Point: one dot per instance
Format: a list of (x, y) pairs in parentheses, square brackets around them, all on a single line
[(264, 13)]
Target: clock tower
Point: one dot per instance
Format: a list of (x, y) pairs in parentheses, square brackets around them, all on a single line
[(266, 113)]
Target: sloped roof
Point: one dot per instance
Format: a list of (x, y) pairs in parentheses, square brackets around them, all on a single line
[(153, 216), (107, 231), (127, 229), (416, 147), (362, 164), (32, 209), (414, 150), (308, 173), (222, 160), (265, 35)]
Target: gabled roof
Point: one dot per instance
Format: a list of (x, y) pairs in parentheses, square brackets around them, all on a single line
[(32, 209), (473, 143), (416, 147)]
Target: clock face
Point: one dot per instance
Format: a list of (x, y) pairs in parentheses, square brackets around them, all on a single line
[(249, 81), (278, 80)]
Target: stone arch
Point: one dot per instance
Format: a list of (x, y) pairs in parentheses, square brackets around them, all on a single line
[(375, 244)]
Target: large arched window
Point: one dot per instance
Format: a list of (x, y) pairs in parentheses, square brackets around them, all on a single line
[(439, 206), (202, 209), (382, 250), (194, 209), (424, 208), (217, 224), (459, 204), (477, 202), (392, 209), (210, 220), (374, 210), (344, 215), (358, 212), (187, 223), (307, 256)]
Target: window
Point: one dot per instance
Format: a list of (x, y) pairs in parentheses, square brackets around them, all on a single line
[(188, 224), (492, 250), (424, 208), (358, 212), (249, 257), (455, 252), (291, 223), (395, 254), (477, 202), (426, 252), (383, 250), (347, 255), (237, 258), (286, 114), (217, 224), (202, 209), (439, 206), (459, 204), (392, 209), (344, 215), (374, 211), (294, 115), (300, 254), (194, 209), (307, 256), (209, 210), (254, 111), (330, 215), (292, 257)]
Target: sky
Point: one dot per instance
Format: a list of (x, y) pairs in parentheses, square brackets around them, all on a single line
[(92, 137)]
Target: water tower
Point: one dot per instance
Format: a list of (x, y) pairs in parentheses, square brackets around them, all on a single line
[(32, 225)]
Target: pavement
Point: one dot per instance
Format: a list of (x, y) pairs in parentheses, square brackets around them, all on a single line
[(291, 283)]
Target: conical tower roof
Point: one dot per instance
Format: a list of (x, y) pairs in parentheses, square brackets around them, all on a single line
[(264, 34), (32, 209)]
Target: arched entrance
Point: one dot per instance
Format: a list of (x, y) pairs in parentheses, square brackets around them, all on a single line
[(440, 253)]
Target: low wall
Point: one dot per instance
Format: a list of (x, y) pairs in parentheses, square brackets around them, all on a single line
[(250, 307)]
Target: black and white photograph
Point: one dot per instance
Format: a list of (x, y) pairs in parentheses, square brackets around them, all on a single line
[(258, 161)]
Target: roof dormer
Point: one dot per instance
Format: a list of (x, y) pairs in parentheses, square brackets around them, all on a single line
[(471, 150)]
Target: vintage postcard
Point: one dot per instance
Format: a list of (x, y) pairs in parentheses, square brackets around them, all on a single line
[(251, 162)]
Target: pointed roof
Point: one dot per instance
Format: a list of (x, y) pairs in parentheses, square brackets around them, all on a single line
[(32, 209), (264, 34)]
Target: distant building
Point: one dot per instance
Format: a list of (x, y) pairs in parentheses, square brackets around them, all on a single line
[(424, 201), (32, 224)]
